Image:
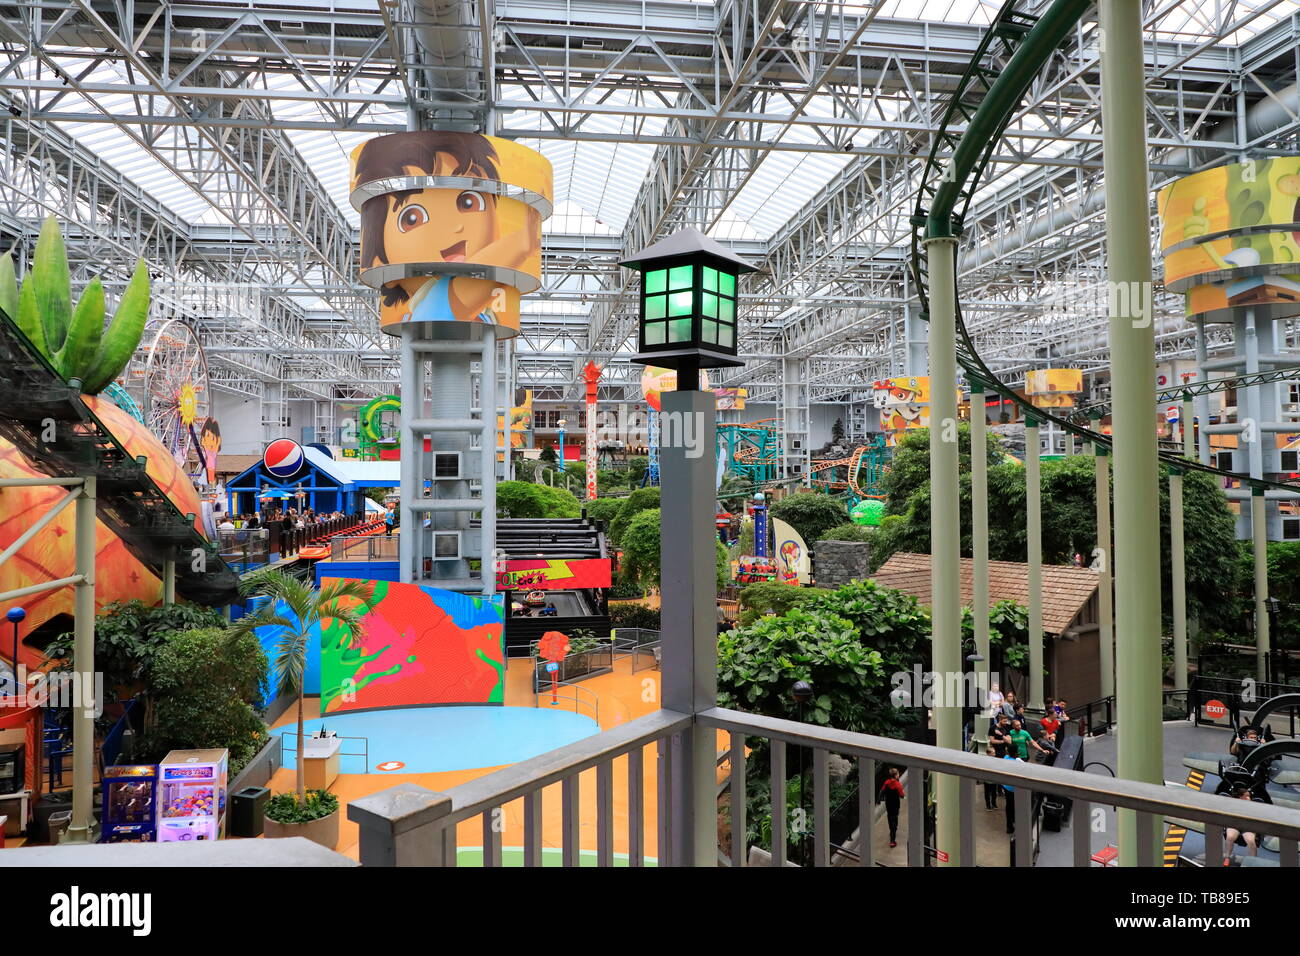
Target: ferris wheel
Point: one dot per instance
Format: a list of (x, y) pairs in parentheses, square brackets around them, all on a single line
[(170, 379)]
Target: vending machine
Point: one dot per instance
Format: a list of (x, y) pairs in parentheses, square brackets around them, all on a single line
[(192, 798), (129, 792)]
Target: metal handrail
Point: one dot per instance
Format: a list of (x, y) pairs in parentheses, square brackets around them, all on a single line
[(365, 753), (580, 695)]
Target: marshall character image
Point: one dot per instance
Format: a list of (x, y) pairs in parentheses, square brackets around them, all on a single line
[(439, 225)]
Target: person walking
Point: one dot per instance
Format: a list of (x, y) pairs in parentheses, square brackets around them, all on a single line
[(891, 793), (991, 789), (390, 521)]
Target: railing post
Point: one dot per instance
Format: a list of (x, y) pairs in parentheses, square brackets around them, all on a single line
[(689, 637), (401, 826)]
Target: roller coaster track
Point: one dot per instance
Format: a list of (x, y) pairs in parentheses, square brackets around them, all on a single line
[(984, 101), (32, 397)]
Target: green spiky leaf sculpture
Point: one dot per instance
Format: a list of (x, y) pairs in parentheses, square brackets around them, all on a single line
[(74, 340)]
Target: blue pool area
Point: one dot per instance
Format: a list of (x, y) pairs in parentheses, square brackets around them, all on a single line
[(437, 739)]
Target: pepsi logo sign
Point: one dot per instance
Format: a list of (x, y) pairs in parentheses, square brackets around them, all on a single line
[(283, 458)]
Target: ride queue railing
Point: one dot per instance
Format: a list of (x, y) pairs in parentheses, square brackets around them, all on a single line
[(409, 825)]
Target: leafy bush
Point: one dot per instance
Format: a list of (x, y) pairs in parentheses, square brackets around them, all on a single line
[(548, 455), (205, 685), (129, 635), (909, 468), (520, 499), (848, 532), (758, 600), (285, 808), (633, 504), (636, 466), (758, 664), (890, 621), (641, 549), (603, 509), (624, 590), (810, 513), (634, 615), (558, 503)]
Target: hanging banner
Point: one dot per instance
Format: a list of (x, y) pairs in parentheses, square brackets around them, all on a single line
[(793, 563), (1053, 387), (591, 374), (451, 225), (563, 574)]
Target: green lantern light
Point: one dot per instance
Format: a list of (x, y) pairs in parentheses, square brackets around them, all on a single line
[(689, 296)]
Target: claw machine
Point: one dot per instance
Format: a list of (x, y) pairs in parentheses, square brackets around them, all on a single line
[(129, 793), (192, 795)]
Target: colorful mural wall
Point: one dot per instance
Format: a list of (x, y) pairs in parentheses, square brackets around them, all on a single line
[(422, 646)]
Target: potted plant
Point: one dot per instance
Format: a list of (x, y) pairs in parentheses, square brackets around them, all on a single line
[(312, 815)]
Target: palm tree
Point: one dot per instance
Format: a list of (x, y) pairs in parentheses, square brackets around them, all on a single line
[(307, 608)]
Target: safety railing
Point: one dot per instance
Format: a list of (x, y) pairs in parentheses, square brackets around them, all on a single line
[(370, 547), (409, 825), (245, 548), (566, 695), (575, 666), (639, 643), (289, 738)]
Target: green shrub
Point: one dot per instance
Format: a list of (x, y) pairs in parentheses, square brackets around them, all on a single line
[(634, 615), (205, 685), (520, 499), (848, 532), (603, 509), (757, 600), (633, 504), (758, 664), (624, 590), (641, 549), (559, 503), (285, 808), (810, 513)]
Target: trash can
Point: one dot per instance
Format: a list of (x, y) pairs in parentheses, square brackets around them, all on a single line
[(247, 811), (1053, 814), (59, 822)]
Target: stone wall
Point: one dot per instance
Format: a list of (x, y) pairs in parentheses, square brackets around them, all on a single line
[(839, 562)]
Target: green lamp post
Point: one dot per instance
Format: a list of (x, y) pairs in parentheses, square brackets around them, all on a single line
[(688, 304)]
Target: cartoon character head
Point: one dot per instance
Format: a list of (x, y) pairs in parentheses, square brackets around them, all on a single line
[(425, 225), (790, 552)]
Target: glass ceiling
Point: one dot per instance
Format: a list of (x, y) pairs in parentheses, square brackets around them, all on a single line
[(596, 184)]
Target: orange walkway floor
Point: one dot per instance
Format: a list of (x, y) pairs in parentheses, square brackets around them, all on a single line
[(623, 696)]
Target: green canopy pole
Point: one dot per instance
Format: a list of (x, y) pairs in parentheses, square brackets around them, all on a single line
[(1259, 539), (945, 533), (979, 506), (1132, 350), (1034, 549), (1102, 562), (1178, 576)]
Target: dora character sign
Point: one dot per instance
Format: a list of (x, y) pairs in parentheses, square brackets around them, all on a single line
[(450, 225)]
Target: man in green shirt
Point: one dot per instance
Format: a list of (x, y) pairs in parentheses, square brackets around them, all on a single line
[(1021, 741)]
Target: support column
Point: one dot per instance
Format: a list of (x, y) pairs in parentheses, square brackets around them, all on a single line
[(979, 504), (1132, 349), (1259, 541), (487, 402), (1102, 562), (81, 829), (1034, 555), (690, 646), (1202, 402), (945, 531), (412, 409), (1178, 576), (169, 582)]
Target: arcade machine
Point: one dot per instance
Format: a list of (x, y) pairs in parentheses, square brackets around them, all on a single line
[(192, 798), (129, 791)]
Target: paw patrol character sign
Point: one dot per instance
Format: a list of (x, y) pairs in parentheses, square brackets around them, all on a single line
[(451, 225)]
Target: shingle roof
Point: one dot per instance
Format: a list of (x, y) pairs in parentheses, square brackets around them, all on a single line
[(1066, 589)]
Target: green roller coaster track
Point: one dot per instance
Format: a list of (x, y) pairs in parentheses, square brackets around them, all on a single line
[(985, 101)]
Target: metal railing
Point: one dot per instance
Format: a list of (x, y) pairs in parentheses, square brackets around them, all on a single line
[(639, 643), (409, 825), (245, 548), (370, 547), (566, 692), (288, 737), (576, 666)]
